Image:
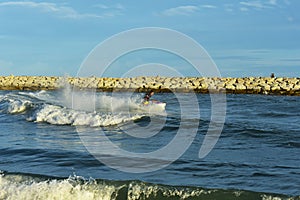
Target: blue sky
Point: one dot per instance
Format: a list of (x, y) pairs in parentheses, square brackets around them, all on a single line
[(244, 38)]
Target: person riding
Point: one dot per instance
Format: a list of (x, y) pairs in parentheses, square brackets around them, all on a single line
[(148, 95)]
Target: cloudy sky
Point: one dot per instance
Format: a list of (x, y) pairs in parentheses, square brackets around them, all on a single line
[(244, 38)]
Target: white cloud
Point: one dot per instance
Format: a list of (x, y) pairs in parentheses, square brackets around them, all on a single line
[(253, 4), (61, 11), (110, 10), (44, 6), (181, 10), (186, 10), (208, 6), (258, 5), (111, 7)]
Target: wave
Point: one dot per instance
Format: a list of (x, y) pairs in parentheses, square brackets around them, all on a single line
[(29, 186), (64, 116), (57, 109)]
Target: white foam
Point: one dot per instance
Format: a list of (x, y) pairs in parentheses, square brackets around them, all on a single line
[(64, 116), (25, 187), (13, 103), (268, 197), (154, 108), (57, 108), (117, 103), (129, 104), (17, 106), (15, 187), (143, 191), (39, 94)]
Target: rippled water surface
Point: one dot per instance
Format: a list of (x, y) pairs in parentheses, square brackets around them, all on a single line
[(257, 155)]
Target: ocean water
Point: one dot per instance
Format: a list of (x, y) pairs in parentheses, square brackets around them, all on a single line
[(43, 156)]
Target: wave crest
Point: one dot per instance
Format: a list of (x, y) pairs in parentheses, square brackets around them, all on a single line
[(26, 186), (50, 107)]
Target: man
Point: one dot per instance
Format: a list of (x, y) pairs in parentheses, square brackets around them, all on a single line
[(148, 96)]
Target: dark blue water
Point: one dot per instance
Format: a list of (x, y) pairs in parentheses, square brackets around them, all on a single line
[(256, 157)]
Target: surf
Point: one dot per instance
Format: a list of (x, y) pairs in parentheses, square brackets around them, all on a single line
[(56, 108), (153, 105), (34, 186)]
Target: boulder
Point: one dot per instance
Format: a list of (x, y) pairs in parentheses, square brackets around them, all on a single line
[(240, 86)]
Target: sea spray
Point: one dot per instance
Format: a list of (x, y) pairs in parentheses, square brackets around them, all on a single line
[(69, 106), (50, 107), (85, 99), (75, 98)]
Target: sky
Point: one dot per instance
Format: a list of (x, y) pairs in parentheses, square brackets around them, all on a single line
[(244, 38)]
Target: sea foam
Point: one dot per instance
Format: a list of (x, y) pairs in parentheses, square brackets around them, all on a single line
[(17, 106), (22, 187), (64, 116), (54, 108), (27, 187)]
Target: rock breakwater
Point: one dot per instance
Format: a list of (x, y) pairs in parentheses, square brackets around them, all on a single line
[(245, 85)]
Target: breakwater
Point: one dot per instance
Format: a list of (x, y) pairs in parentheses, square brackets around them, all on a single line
[(245, 85)]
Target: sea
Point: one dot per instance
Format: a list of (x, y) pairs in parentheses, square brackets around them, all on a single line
[(55, 147)]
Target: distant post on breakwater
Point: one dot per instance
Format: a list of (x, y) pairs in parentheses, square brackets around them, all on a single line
[(272, 75)]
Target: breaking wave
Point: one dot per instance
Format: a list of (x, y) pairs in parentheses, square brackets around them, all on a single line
[(56, 108), (28, 186)]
